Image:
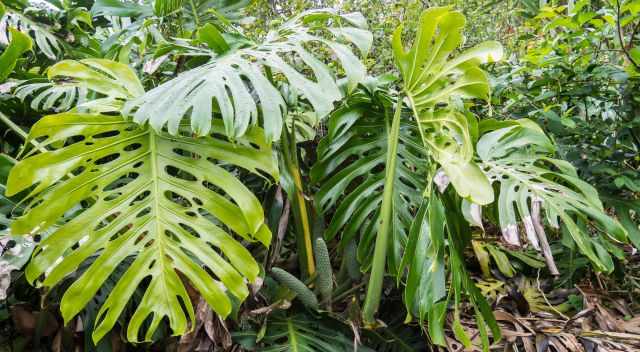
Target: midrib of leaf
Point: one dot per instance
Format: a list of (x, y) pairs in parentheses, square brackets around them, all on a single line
[(415, 115), (374, 289), (194, 10), (425, 140), (159, 237)]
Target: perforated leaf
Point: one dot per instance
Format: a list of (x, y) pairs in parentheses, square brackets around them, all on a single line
[(72, 81), (45, 41), (435, 82), (236, 85), (517, 155), (48, 96), (166, 200)]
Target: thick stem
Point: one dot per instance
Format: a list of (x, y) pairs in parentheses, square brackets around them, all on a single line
[(298, 200), (374, 289), (304, 219)]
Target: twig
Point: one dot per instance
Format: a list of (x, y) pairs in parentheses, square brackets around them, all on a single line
[(546, 300), (542, 238), (13, 126), (621, 38), (347, 292), (4, 118), (610, 334)]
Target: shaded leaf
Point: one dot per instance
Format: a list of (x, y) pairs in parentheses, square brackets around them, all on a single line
[(517, 156)]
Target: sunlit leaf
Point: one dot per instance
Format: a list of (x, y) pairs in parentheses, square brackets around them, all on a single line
[(237, 85), (433, 80), (172, 202)]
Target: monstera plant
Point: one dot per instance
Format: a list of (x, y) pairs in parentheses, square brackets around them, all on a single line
[(118, 189), (384, 169), (145, 187), (166, 193)]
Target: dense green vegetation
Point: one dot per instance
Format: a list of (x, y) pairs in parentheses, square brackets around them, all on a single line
[(234, 175)]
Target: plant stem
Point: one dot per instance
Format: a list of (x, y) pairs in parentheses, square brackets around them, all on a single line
[(304, 218), (13, 126), (374, 289), (621, 38), (196, 19), (4, 118), (340, 296), (300, 211)]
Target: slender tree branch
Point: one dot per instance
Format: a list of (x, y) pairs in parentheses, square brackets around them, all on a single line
[(24, 135), (621, 38), (7, 121)]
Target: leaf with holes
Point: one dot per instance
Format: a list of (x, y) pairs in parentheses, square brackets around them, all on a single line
[(238, 84), (351, 169), (435, 83), (41, 33), (173, 202), (48, 96), (517, 155), (89, 85)]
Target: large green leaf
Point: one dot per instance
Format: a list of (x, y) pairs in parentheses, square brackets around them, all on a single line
[(237, 85), (373, 171), (435, 251), (50, 96), (435, 82), (172, 201), (517, 155), (20, 43), (351, 168), (425, 287), (41, 33), (109, 78), (89, 85)]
